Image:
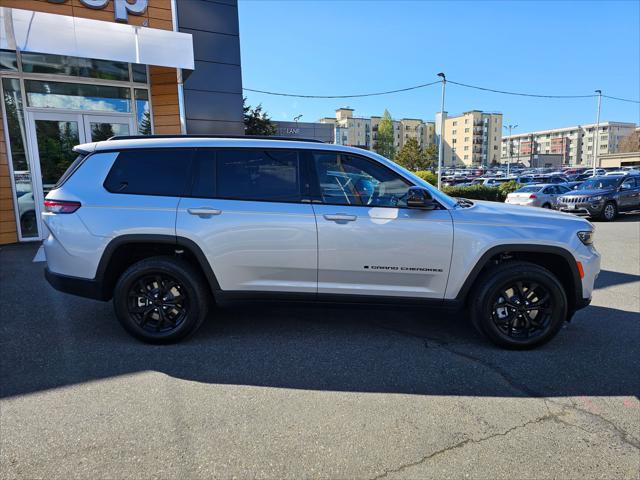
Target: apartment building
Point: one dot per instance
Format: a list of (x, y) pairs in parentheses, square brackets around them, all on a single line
[(472, 138), (576, 144), (362, 131)]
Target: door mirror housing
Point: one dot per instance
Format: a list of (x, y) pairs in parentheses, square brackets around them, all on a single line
[(418, 197)]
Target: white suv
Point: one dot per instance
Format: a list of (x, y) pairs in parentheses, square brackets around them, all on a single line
[(164, 225)]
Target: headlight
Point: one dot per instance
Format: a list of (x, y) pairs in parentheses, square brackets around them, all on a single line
[(586, 237), (595, 199)]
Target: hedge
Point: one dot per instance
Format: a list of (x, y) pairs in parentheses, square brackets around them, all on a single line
[(476, 192)]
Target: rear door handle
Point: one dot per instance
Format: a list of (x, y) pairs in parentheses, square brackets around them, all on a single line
[(204, 211), (340, 217)]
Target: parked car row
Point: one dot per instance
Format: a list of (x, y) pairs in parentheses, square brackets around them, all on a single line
[(601, 197)]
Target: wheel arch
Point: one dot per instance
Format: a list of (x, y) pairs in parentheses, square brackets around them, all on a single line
[(557, 260), (125, 250)]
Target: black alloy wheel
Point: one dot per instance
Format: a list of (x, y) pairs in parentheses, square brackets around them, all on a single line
[(518, 305), (161, 299), (158, 303), (522, 310)]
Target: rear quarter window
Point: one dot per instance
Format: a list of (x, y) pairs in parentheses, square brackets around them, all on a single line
[(150, 172)]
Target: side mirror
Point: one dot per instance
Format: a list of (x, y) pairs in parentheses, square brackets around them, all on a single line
[(418, 197)]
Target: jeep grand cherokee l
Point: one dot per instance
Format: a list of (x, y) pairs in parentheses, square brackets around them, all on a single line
[(165, 225)]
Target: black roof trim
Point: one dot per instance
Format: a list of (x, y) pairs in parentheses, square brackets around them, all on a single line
[(250, 137)]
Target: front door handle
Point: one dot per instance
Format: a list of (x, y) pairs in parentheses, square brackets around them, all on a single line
[(340, 217), (204, 211)]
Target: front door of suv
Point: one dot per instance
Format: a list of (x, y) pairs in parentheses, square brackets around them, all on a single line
[(245, 211), (369, 242), (629, 194)]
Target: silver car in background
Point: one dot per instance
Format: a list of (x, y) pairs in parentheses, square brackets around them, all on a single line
[(544, 195)]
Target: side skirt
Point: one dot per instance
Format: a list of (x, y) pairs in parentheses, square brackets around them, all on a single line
[(222, 296)]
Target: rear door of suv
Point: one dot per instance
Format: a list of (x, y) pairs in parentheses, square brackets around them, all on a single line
[(369, 242), (246, 210)]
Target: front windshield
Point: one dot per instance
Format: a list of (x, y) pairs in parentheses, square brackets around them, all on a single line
[(599, 184)]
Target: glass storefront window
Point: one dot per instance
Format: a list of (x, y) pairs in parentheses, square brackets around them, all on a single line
[(8, 60), (143, 114), (18, 143), (74, 67), (139, 73), (76, 96)]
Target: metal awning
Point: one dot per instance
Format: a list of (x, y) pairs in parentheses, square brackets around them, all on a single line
[(81, 37)]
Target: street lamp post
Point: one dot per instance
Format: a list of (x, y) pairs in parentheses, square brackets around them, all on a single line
[(441, 142), (510, 127), (596, 133)]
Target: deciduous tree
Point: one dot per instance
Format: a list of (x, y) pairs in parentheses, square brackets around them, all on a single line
[(630, 143)]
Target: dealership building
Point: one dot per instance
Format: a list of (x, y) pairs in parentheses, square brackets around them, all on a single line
[(76, 71)]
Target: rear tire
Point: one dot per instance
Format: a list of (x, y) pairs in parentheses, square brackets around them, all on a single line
[(161, 300), (609, 212), (518, 305), (546, 205)]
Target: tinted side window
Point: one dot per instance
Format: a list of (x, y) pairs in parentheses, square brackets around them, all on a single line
[(150, 172), (352, 180), (262, 175)]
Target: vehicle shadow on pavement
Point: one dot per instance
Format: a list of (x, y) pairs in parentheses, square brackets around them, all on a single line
[(49, 340), (607, 278)]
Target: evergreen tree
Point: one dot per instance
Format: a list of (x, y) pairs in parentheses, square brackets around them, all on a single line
[(413, 158), (385, 141), (257, 122)]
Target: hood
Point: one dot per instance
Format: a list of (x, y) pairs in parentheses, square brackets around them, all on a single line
[(590, 193), (504, 214)]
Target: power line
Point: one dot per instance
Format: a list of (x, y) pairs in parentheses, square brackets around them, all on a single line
[(423, 85), (280, 94), (519, 93), (621, 99)]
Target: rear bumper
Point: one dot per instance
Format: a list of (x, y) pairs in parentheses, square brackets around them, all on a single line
[(81, 287)]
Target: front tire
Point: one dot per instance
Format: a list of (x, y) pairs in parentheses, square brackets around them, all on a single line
[(518, 305), (161, 299), (609, 212)]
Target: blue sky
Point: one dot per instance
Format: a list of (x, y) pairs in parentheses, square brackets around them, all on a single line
[(545, 47)]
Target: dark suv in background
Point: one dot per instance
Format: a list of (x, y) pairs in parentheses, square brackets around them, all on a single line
[(603, 197)]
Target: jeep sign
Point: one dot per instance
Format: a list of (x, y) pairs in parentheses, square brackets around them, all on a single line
[(121, 8)]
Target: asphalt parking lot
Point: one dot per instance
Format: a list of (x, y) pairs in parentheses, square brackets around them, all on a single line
[(281, 391)]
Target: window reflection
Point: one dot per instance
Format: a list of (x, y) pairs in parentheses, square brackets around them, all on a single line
[(77, 96), (143, 114), (139, 72), (74, 66), (104, 131), (8, 60), (17, 144)]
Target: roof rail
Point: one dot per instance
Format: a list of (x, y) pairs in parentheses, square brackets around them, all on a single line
[(250, 137)]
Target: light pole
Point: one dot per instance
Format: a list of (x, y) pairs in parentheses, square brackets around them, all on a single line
[(297, 117), (510, 127), (595, 132), (441, 142)]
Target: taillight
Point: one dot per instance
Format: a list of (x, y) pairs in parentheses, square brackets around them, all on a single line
[(61, 206), (532, 196)]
